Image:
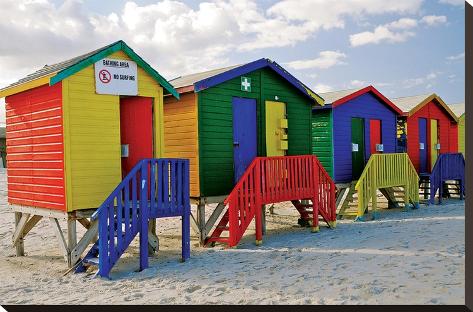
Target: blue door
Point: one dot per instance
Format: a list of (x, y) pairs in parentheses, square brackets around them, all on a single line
[(423, 146), (244, 135)]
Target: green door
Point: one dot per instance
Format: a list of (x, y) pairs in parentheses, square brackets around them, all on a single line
[(358, 147)]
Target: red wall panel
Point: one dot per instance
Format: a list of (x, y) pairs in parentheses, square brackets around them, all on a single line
[(448, 131), (35, 148)]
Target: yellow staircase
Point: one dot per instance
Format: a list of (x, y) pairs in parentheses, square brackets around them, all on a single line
[(387, 172)]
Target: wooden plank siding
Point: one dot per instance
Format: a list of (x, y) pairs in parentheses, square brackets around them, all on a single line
[(216, 128), (181, 134), (322, 138), (461, 134), (448, 134), (92, 135), (34, 130), (366, 106)]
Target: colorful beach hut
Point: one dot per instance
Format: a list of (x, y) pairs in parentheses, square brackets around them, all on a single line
[(226, 117), (459, 110), (350, 127), (431, 128), (74, 130), (232, 119)]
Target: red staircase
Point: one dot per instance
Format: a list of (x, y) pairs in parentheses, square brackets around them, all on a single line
[(272, 180)]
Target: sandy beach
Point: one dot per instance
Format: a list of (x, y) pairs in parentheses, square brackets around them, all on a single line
[(405, 257)]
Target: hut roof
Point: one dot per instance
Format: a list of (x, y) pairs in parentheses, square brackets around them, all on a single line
[(458, 109), (411, 104), (62, 70), (204, 80), (337, 98)]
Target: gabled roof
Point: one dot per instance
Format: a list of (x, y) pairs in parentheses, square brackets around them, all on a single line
[(201, 81), (458, 109), (53, 74), (337, 98), (411, 104)]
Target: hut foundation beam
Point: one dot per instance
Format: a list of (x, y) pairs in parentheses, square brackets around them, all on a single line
[(20, 246)]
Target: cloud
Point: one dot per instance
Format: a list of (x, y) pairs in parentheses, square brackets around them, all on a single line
[(379, 35), (174, 37), (322, 88), (434, 20), (325, 60), (453, 2), (457, 57), (429, 80), (394, 32)]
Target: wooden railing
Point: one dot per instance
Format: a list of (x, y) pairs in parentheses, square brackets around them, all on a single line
[(384, 171), (271, 180), (153, 188), (449, 166)]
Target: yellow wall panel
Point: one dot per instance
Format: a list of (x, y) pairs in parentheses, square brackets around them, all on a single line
[(461, 135), (181, 134), (92, 135)]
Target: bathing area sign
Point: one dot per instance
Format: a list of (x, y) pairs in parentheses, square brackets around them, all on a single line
[(117, 77)]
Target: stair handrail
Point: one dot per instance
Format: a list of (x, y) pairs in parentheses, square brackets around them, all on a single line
[(249, 188), (447, 166), (386, 170)]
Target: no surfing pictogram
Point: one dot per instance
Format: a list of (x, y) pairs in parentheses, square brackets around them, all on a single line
[(104, 76)]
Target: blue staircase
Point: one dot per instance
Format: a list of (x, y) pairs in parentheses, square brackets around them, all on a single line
[(154, 188), (448, 167)]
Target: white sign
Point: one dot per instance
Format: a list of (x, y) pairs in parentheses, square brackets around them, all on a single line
[(379, 147), (354, 147), (117, 77), (421, 146), (246, 84)]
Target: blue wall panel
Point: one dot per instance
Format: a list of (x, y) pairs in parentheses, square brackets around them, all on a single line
[(365, 106)]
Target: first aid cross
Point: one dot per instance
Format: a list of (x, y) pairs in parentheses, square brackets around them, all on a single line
[(246, 84)]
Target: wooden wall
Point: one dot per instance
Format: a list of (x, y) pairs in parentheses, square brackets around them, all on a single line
[(448, 133), (216, 125), (92, 135), (181, 134), (366, 106), (322, 138), (34, 130)]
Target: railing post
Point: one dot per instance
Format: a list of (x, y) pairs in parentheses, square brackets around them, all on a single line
[(186, 231), (104, 261), (258, 208), (144, 213), (315, 198)]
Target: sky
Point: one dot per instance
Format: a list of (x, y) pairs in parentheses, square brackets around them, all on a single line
[(402, 47)]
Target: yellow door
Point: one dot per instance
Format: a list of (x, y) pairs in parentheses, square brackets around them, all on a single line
[(433, 142), (276, 129)]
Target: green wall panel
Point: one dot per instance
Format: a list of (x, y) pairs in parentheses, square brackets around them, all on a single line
[(216, 125), (322, 136)]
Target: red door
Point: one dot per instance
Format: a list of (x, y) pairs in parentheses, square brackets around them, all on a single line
[(136, 130), (375, 135)]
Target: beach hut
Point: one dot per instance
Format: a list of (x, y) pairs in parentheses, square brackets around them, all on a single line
[(350, 127), (74, 130), (431, 128), (459, 110), (227, 117)]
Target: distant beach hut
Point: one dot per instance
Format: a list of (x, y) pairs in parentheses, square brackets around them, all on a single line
[(350, 127), (3, 148), (431, 127)]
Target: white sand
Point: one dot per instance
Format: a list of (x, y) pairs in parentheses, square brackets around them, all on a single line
[(413, 257)]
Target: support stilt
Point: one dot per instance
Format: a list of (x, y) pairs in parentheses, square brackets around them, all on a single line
[(201, 222), (20, 245)]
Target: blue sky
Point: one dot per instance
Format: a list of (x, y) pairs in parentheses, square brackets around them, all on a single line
[(402, 47)]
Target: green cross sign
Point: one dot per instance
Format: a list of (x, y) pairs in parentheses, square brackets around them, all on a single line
[(246, 84)]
